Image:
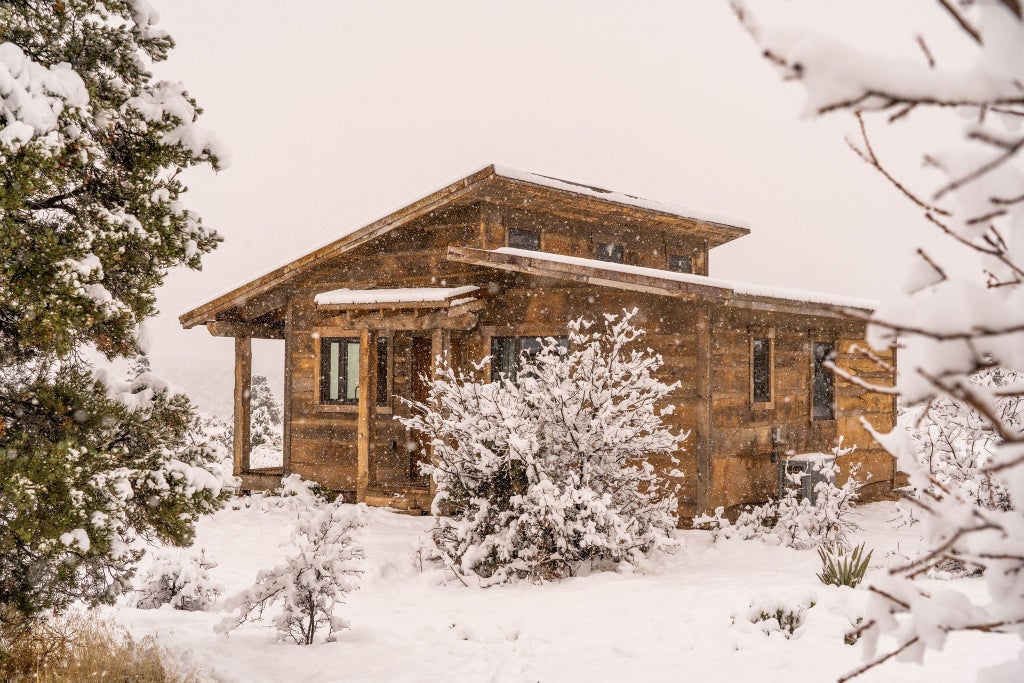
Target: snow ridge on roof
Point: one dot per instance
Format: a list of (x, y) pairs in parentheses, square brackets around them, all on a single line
[(406, 295), (737, 287), (620, 197)]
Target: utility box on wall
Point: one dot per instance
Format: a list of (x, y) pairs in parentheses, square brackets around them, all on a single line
[(803, 472)]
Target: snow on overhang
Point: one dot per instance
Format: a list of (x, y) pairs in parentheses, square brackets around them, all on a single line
[(410, 297)]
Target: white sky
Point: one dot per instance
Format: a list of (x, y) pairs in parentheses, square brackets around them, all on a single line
[(338, 112)]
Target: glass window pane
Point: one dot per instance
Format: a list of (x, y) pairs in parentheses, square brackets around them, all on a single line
[(761, 362), (680, 263), (609, 252), (382, 371), (524, 239), (824, 382), (352, 371), (334, 350)]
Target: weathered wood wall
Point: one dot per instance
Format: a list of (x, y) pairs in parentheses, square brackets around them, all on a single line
[(727, 458)]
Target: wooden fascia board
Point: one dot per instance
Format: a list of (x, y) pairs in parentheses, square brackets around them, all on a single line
[(786, 306), (588, 275), (239, 295), (224, 328)]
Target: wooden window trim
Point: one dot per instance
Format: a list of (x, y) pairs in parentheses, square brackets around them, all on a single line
[(769, 334), (320, 333)]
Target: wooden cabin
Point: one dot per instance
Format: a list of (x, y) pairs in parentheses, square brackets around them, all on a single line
[(485, 266)]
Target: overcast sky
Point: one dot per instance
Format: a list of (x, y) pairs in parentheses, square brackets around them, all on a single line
[(339, 112)]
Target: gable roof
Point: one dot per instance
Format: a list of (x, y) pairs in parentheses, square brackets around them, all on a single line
[(500, 185)]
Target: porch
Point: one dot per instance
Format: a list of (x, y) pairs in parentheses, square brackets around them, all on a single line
[(370, 352)]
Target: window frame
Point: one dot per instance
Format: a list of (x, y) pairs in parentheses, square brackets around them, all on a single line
[(324, 376), (610, 250), (816, 366), (767, 334), (532, 235), (321, 333)]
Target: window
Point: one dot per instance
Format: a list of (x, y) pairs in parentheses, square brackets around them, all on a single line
[(609, 252), (824, 382), (382, 371), (524, 239), (507, 351), (761, 369), (680, 263), (339, 371)]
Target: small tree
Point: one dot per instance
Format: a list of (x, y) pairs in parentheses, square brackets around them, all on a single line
[(537, 475), (310, 584)]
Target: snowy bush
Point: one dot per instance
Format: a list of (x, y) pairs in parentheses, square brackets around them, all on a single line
[(956, 444), (294, 493), (311, 584), (776, 614), (793, 520), (180, 578), (537, 476)]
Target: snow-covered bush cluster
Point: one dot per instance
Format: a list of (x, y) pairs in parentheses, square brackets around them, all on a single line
[(955, 104), (794, 520), (539, 475), (956, 444), (310, 584), (179, 578), (294, 493)]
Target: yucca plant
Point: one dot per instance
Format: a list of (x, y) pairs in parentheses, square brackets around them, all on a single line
[(840, 567)]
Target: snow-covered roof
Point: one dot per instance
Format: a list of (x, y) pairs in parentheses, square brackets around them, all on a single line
[(408, 295), (620, 197), (736, 287)]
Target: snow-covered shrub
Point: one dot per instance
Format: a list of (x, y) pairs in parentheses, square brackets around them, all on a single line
[(311, 584), (956, 444), (537, 476), (843, 567), (180, 578), (775, 614), (793, 520), (294, 493)]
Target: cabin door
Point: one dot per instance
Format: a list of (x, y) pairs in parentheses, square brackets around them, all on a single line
[(421, 367)]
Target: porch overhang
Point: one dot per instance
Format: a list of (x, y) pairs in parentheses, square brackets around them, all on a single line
[(419, 308)]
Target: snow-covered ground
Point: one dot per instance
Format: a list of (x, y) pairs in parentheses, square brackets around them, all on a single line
[(671, 621)]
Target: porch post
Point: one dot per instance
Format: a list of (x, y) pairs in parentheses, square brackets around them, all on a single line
[(242, 440), (367, 410), (440, 343), (705, 473)]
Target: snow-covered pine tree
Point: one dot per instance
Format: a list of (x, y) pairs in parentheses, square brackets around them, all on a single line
[(311, 583), (540, 475), (91, 152), (958, 104)]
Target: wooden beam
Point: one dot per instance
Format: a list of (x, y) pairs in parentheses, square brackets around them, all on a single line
[(289, 391), (225, 328), (491, 231), (440, 345), (703, 412), (243, 404), (365, 419)]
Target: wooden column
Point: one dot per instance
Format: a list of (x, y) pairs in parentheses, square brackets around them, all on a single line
[(243, 404), (704, 451), (491, 232), (440, 343), (367, 410), (289, 393)]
